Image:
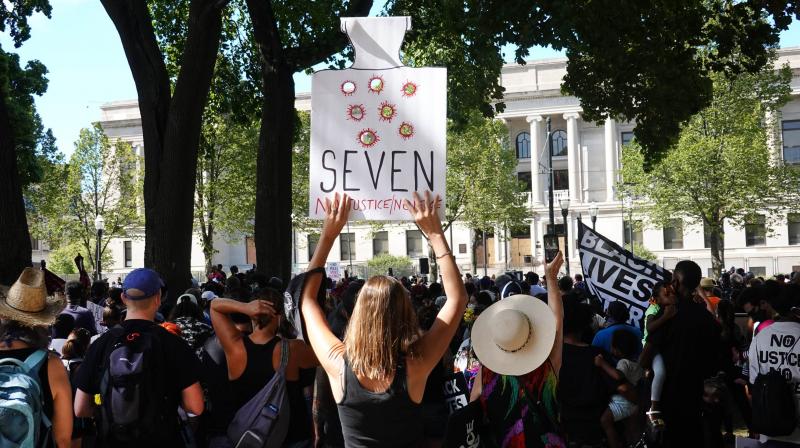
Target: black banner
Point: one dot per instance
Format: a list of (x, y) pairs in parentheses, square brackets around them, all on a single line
[(613, 273)]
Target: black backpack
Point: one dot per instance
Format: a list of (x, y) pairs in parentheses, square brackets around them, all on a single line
[(774, 411), (132, 399)]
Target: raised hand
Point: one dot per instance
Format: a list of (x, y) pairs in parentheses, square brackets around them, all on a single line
[(337, 212), (426, 213), (552, 269)]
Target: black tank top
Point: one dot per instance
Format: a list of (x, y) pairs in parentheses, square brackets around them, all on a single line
[(257, 372), (256, 375), (379, 419)]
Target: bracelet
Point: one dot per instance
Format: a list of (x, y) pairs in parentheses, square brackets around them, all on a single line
[(439, 257)]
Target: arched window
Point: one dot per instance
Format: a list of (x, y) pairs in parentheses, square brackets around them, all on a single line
[(523, 145), (559, 143)]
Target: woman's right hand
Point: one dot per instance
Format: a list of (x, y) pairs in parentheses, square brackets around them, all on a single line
[(426, 213), (337, 213), (552, 269)]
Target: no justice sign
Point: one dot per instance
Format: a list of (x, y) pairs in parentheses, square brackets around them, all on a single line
[(378, 129)]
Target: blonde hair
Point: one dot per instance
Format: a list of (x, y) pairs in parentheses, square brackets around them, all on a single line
[(383, 326)]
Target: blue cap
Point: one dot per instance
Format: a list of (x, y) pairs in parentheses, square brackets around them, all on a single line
[(141, 283)]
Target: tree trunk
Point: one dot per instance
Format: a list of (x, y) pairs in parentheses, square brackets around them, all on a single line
[(717, 244), (273, 222), (15, 241), (171, 126)]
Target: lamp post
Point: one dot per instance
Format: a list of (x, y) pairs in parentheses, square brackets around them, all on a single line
[(564, 203), (593, 214), (628, 204), (99, 225), (550, 177)]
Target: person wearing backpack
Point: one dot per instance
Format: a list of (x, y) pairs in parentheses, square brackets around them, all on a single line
[(256, 359), (136, 375), (34, 385), (775, 373)]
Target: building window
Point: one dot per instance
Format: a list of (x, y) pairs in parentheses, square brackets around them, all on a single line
[(414, 244), (673, 234), (625, 138), (128, 251), (755, 231), (791, 141), (35, 244), (638, 238), (706, 236), (313, 240), (559, 143), (558, 229), (347, 246), (794, 228), (525, 179), (462, 248), (380, 243), (523, 145), (758, 271), (560, 180)]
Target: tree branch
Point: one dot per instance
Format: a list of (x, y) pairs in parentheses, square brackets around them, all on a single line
[(326, 44)]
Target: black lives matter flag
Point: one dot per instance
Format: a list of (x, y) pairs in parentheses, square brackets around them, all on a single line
[(613, 273)]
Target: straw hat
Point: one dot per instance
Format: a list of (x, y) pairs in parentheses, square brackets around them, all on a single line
[(27, 302), (515, 335)]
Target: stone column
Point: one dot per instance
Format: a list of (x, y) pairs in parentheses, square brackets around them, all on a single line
[(573, 140), (537, 143), (611, 157)]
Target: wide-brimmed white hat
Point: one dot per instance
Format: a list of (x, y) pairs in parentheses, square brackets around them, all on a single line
[(27, 302), (515, 335)]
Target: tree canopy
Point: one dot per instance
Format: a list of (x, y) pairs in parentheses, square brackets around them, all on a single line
[(721, 169), (102, 179), (633, 60)]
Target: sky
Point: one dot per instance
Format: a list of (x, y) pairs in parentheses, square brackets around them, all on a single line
[(87, 66)]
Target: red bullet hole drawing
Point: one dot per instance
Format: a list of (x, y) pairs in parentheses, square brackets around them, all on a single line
[(406, 130), (356, 112), (348, 88), (376, 84), (387, 111), (368, 138), (409, 89)]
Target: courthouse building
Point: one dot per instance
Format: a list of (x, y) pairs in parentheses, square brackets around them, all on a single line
[(586, 160)]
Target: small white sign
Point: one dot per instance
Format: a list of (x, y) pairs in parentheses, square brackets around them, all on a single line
[(333, 271)]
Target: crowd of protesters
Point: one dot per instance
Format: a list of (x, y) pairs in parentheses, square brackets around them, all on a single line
[(372, 362)]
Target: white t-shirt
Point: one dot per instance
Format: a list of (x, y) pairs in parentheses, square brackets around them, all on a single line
[(631, 370), (773, 348), (57, 344)]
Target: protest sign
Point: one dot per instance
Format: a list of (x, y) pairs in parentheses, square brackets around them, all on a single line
[(463, 427), (333, 271), (613, 273), (456, 394), (378, 128)]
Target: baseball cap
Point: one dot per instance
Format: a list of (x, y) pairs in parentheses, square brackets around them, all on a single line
[(208, 295), (141, 283)]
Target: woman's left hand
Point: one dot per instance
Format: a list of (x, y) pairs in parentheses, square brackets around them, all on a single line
[(337, 213)]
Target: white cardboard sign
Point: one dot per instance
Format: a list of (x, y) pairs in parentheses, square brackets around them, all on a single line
[(378, 128)]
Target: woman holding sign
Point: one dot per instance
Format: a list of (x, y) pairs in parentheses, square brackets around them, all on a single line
[(378, 373)]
